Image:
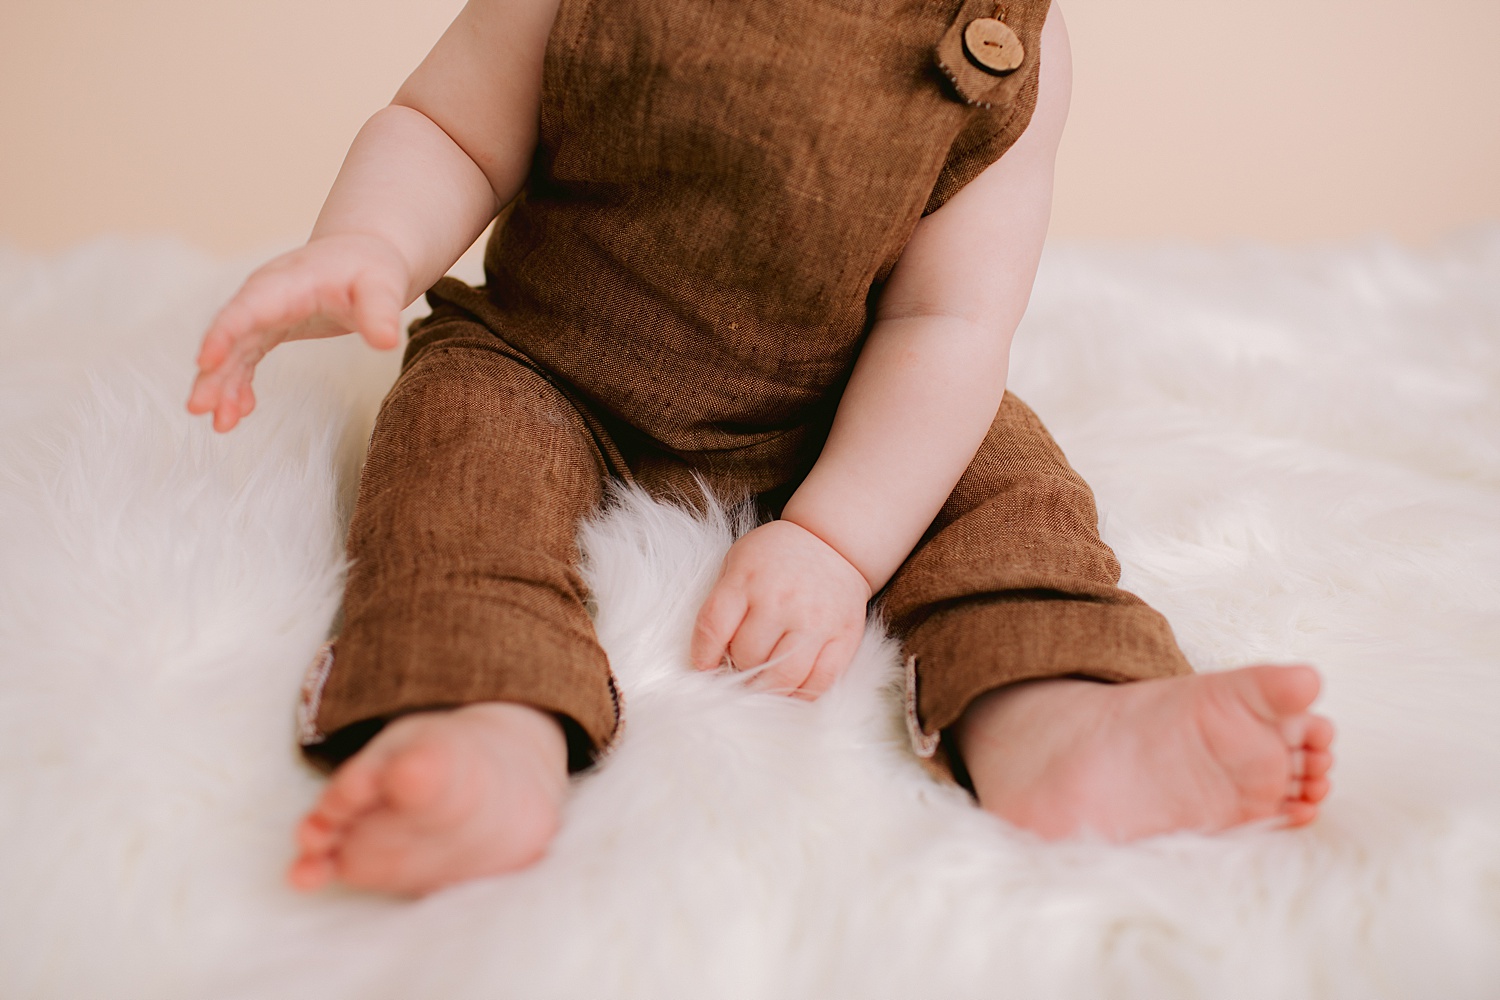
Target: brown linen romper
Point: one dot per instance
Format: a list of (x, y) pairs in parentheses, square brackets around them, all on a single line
[(720, 189)]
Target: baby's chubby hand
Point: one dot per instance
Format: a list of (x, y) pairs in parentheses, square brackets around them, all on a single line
[(786, 601), (333, 285)]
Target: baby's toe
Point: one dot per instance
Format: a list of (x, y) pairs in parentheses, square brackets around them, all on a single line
[(1318, 734), (1315, 790), (1316, 763), (1279, 696), (1287, 691), (1298, 812), (352, 791), (309, 873), (316, 836), (1297, 764)]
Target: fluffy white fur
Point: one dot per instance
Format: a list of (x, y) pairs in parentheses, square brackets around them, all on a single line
[(1296, 455)]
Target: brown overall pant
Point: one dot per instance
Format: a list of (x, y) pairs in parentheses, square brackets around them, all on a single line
[(721, 188)]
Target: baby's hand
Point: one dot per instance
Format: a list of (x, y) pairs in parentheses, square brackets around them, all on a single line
[(333, 285), (786, 599)]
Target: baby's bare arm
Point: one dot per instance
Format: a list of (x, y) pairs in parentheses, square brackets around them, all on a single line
[(421, 181), (930, 377), (428, 173)]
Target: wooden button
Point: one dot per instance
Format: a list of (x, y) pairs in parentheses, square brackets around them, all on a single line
[(992, 46)]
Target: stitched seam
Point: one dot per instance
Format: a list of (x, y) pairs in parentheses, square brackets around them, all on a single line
[(618, 698), (311, 699), (924, 745)]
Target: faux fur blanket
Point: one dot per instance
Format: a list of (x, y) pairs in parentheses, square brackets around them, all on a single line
[(1296, 456)]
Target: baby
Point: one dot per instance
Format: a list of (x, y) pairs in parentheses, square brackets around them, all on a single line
[(775, 250)]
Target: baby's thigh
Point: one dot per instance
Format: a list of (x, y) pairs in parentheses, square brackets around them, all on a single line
[(1020, 520), (1022, 490), (473, 445)]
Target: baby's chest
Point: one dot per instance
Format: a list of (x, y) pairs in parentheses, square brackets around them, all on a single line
[(829, 101)]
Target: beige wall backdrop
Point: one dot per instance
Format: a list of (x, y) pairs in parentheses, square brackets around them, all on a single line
[(1290, 120)]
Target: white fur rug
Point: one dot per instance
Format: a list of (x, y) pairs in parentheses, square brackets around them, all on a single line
[(1297, 457)]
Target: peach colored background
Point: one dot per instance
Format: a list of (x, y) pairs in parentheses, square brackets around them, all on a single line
[(1292, 120)]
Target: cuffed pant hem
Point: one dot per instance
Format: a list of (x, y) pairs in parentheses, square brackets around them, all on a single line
[(520, 658), (962, 652)]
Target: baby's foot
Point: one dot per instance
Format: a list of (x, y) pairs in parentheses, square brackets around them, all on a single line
[(1201, 752), (438, 798)]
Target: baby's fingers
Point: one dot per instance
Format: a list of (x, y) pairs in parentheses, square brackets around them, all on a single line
[(833, 659), (245, 398), (263, 308), (755, 641), (207, 391), (212, 390), (227, 412), (789, 665), (718, 620), (225, 392), (377, 313)]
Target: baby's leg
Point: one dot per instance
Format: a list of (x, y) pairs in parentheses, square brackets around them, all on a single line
[(1011, 616), (463, 591)]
